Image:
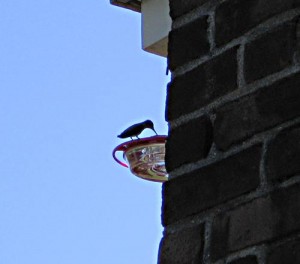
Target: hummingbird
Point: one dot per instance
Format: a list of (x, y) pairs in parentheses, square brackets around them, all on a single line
[(136, 129)]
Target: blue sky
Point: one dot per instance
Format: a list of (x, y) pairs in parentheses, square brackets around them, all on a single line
[(72, 77)]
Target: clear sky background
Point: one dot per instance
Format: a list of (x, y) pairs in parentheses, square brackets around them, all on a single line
[(72, 77)]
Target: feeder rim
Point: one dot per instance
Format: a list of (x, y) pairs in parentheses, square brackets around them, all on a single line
[(143, 141)]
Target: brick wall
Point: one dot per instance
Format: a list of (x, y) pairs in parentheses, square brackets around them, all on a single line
[(233, 151)]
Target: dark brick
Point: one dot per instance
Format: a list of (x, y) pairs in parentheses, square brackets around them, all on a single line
[(270, 53), (283, 154), (188, 143), (182, 247), (202, 85), (188, 42), (179, 7), (262, 110), (288, 253), (263, 219), (245, 260), (236, 17), (212, 185)]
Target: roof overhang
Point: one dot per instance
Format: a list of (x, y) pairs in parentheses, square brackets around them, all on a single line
[(155, 23), (134, 5)]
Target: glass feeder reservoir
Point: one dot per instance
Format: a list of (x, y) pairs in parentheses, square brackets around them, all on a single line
[(145, 157)]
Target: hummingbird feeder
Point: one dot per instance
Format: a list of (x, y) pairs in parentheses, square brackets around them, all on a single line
[(145, 157)]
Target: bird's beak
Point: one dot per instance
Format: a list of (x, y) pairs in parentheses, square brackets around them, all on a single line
[(154, 131)]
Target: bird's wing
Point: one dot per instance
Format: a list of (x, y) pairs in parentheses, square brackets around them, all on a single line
[(131, 131)]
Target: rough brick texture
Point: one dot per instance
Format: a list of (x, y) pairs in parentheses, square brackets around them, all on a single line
[(179, 7), (236, 17), (183, 247), (245, 260), (202, 85), (211, 185), (283, 155), (271, 52), (188, 42), (257, 112), (288, 253), (188, 143), (232, 154), (263, 219)]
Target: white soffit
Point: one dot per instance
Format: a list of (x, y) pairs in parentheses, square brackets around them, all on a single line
[(156, 23)]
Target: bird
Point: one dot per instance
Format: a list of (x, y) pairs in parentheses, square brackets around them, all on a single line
[(136, 129)]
